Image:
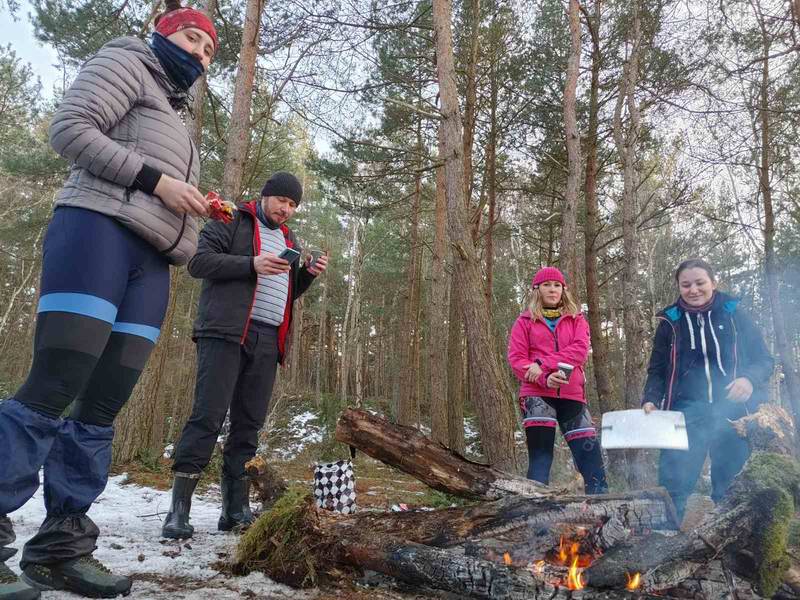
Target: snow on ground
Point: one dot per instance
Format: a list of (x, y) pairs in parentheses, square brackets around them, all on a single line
[(129, 518), (299, 433)]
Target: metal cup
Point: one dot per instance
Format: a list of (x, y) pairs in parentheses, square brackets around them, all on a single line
[(566, 370)]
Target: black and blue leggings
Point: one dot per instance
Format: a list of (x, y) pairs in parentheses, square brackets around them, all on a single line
[(103, 297), (539, 419)]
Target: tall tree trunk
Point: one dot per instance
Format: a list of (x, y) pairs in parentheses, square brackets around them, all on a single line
[(321, 350), (295, 363), (437, 316), (626, 138), (491, 172), (569, 214), (471, 99), (494, 404), (239, 125), (194, 120), (600, 360), (791, 385), (351, 312), (455, 367), (409, 399)]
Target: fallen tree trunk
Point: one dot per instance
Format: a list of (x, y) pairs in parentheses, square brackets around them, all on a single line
[(513, 518), (442, 469)]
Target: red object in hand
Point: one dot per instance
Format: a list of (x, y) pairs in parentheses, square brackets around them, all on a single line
[(219, 209)]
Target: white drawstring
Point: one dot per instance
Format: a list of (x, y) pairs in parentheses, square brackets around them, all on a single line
[(716, 343), (691, 330)]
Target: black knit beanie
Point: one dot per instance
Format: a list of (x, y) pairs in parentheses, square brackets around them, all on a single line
[(283, 184)]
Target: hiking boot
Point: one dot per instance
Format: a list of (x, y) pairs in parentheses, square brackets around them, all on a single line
[(176, 525), (236, 513), (85, 576), (13, 588)]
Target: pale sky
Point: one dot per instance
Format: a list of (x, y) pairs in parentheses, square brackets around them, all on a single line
[(19, 34)]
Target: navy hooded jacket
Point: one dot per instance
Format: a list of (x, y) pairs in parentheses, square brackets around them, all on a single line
[(696, 355)]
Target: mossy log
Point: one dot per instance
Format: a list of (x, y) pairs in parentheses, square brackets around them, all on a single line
[(442, 469), (753, 518)]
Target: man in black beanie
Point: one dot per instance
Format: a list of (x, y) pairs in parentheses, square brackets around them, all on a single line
[(251, 275)]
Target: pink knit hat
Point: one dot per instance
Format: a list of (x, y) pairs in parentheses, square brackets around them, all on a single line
[(548, 274)]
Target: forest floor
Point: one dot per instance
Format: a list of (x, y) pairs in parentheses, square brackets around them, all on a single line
[(130, 512)]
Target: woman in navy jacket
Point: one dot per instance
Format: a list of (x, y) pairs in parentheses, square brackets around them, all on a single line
[(710, 362)]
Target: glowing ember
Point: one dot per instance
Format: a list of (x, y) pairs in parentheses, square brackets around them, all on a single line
[(538, 567), (633, 582), (507, 558), (574, 580)]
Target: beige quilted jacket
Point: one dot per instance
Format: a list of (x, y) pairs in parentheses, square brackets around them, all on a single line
[(114, 118)]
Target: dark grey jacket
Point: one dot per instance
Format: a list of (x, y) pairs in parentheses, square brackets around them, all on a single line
[(114, 118)]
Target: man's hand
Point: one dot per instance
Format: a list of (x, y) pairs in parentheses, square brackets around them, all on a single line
[(739, 390), (555, 380), (269, 264), (649, 407), (181, 197), (534, 370), (319, 266)]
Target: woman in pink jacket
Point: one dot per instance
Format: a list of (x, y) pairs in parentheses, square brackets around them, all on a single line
[(553, 332)]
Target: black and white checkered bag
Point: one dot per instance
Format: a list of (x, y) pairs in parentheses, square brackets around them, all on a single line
[(335, 486)]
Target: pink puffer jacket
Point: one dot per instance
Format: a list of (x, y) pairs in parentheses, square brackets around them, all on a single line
[(530, 340)]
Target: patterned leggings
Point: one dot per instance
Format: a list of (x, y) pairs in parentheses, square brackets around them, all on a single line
[(540, 417)]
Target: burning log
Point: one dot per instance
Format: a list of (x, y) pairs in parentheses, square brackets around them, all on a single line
[(532, 542), (442, 469)]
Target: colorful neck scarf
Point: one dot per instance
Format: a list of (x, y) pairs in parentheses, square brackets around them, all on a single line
[(551, 313)]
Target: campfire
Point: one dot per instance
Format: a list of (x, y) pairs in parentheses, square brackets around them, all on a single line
[(523, 540)]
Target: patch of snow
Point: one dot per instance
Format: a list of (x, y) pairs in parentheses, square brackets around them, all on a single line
[(299, 432), (129, 518)]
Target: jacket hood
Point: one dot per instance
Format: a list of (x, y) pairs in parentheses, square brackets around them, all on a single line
[(145, 54), (722, 301)]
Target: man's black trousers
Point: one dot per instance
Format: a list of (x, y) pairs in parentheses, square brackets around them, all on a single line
[(235, 376)]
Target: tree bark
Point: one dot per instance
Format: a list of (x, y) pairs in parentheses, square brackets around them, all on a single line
[(239, 125), (194, 120), (771, 266), (471, 100), (437, 317), (494, 405), (600, 360), (455, 369), (409, 400), (569, 213)]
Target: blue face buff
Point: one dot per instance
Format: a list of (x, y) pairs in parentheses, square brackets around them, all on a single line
[(182, 68)]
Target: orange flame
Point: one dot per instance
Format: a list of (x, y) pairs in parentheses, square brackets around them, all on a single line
[(633, 582), (507, 558), (562, 551), (574, 579)]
